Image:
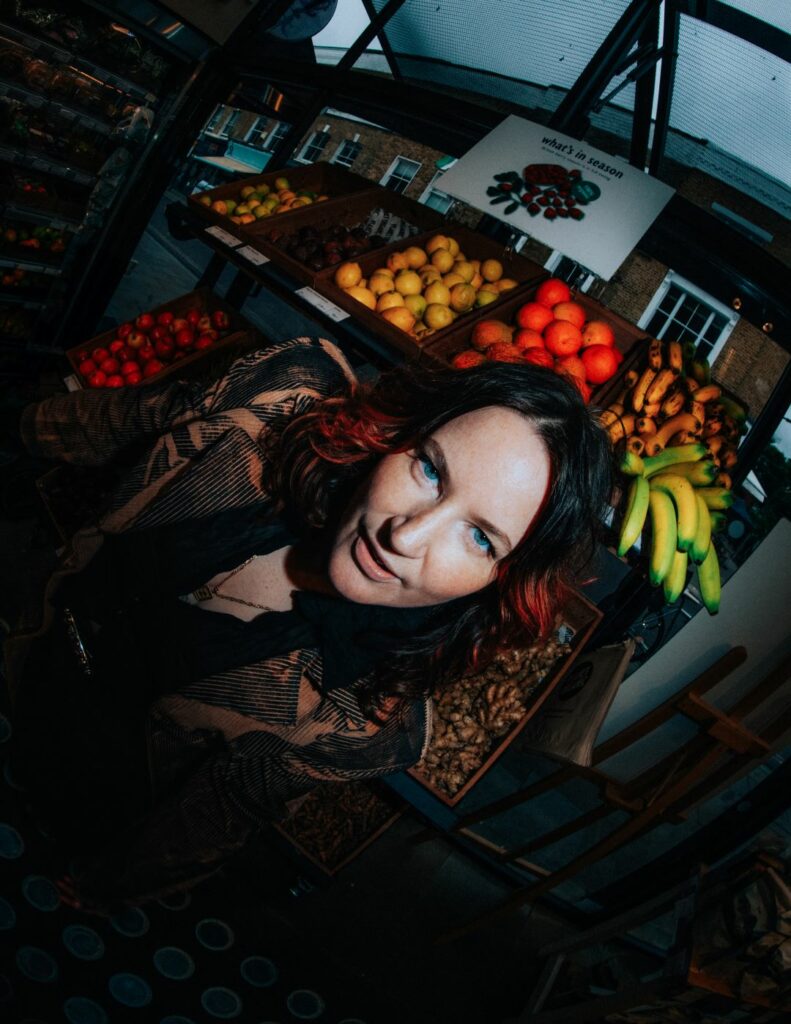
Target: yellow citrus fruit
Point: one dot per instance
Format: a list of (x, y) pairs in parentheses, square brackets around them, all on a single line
[(389, 300), (239, 210), (437, 292), (453, 247), (362, 295), (492, 270), (416, 305), (436, 242), (247, 218), (485, 296), (348, 275), (437, 315), (416, 257), (462, 296), (442, 260), (429, 274), (399, 316), (505, 284), (477, 280), (383, 270), (219, 206), (397, 261), (247, 191), (262, 210), (465, 270), (380, 283), (452, 278), (281, 183), (408, 282)]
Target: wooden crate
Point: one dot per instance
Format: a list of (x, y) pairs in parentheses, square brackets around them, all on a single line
[(241, 334), (360, 809), (474, 246), (402, 218), (579, 618), (331, 179), (629, 339)]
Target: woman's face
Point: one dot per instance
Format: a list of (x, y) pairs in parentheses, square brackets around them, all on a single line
[(431, 525)]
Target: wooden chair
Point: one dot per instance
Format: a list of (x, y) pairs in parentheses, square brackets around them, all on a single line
[(722, 749)]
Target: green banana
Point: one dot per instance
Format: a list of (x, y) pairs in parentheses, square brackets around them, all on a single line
[(700, 371), (663, 540), (673, 583), (632, 465), (671, 456), (716, 497), (732, 409), (719, 520), (683, 495), (709, 581), (700, 473), (634, 516), (700, 545)]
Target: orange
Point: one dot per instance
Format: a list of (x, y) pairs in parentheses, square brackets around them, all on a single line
[(571, 311), (502, 352), (597, 332), (491, 270), (539, 357), (388, 301), (437, 315), (534, 315), (469, 357), (362, 295), (600, 362), (572, 365), (397, 261), (416, 257), (552, 291), (562, 338), (489, 332), (526, 337)]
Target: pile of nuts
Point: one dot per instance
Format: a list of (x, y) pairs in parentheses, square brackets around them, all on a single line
[(480, 708), (334, 820)]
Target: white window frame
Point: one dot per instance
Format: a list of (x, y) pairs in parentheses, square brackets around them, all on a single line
[(270, 135), (229, 122), (554, 259), (388, 173), (255, 127), (222, 120), (354, 140), (319, 131), (431, 188), (672, 278)]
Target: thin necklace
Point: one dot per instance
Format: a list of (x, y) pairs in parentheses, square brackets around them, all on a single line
[(206, 592)]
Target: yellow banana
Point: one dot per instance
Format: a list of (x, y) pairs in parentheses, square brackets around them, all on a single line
[(709, 580), (640, 388), (658, 441), (660, 385), (683, 495), (673, 583), (673, 403), (631, 464), (700, 545), (672, 456), (663, 535), (635, 443), (655, 354), (700, 371), (697, 409), (651, 409), (716, 497), (645, 425), (700, 473), (675, 356), (707, 393), (634, 516)]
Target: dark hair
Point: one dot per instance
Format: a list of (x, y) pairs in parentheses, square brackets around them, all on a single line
[(325, 453)]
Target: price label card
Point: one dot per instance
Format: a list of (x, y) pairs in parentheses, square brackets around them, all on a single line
[(72, 383), (253, 255), (223, 236), (325, 305)]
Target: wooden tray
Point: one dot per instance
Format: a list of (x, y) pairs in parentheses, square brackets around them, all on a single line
[(628, 338), (336, 804), (403, 218), (336, 181), (474, 246), (580, 617), (241, 333)]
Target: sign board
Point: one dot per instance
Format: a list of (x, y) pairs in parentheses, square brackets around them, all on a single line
[(591, 206)]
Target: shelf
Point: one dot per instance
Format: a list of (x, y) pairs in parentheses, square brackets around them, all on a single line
[(26, 263), (57, 53), (35, 100), (45, 165), (10, 299), (35, 215)]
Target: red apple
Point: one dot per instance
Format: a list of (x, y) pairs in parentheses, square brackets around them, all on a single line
[(164, 348), (110, 366), (160, 331), (145, 322), (193, 316), (165, 319), (220, 319), (116, 346), (115, 380), (151, 367), (133, 378), (124, 330), (136, 339), (99, 355), (124, 353), (87, 367), (204, 324), (146, 353), (97, 379), (179, 324), (204, 341), (185, 338), (130, 366)]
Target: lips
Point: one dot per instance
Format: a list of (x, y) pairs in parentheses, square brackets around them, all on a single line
[(370, 562)]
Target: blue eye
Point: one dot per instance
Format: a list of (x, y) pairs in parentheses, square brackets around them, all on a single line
[(429, 469), (482, 540)]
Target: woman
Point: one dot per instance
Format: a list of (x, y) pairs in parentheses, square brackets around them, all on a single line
[(289, 570)]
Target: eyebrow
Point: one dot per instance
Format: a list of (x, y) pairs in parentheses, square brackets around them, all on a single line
[(438, 457)]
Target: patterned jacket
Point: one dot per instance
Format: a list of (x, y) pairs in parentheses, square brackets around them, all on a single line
[(218, 774)]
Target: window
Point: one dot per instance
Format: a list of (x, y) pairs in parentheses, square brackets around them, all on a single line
[(347, 152), (276, 136), (568, 270), (436, 199), (400, 174), (681, 312), (314, 147), (217, 120), (231, 123), (255, 132)]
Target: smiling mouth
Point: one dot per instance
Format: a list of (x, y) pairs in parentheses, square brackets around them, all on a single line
[(369, 562)]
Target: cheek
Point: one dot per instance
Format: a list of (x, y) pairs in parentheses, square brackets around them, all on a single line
[(451, 571)]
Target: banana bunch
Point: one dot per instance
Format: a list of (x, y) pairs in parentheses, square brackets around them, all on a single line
[(676, 490), (672, 401)]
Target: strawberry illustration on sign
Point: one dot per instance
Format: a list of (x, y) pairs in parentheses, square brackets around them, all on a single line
[(550, 189)]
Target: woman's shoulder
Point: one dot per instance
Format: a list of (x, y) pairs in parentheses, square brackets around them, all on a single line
[(310, 365)]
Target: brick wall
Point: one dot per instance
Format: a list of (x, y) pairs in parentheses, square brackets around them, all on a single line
[(632, 287), (750, 365)]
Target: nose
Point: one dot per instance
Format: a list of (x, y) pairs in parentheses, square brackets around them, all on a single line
[(410, 535)]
